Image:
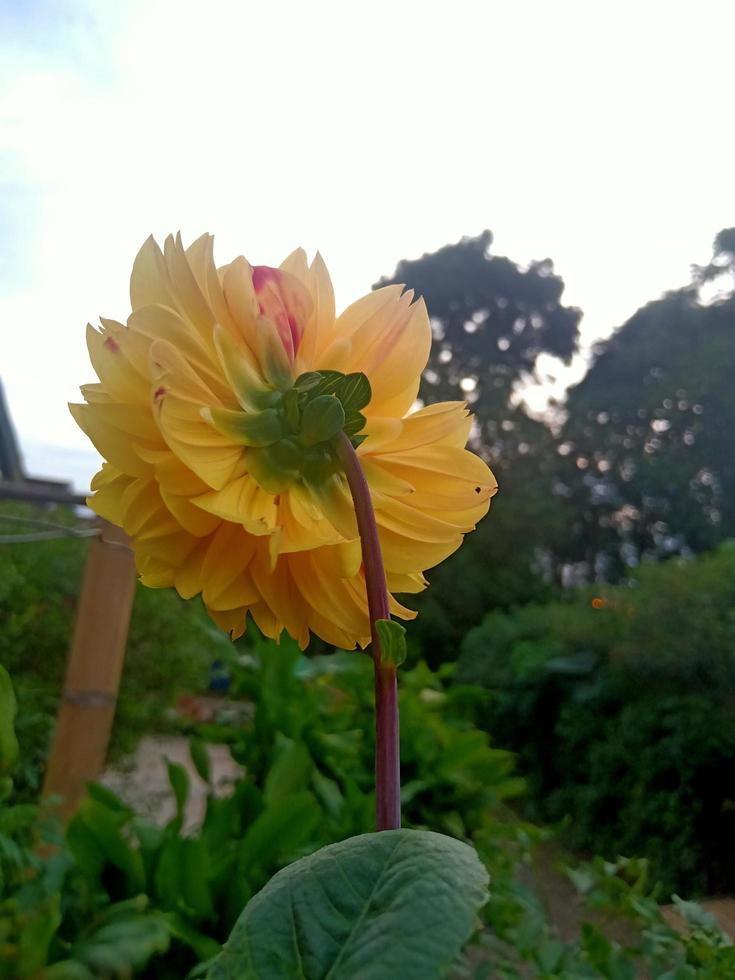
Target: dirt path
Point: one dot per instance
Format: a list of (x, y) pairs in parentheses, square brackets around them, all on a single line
[(142, 779)]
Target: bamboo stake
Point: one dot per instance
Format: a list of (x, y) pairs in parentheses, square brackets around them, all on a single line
[(94, 668)]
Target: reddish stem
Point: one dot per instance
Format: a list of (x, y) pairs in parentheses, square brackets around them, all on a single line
[(387, 752)]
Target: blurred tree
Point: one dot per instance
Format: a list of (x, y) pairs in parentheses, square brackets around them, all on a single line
[(650, 434), (491, 320)]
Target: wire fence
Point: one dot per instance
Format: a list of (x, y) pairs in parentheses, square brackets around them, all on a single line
[(44, 530)]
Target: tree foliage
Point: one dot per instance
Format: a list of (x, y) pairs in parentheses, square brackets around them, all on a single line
[(491, 320), (649, 435)]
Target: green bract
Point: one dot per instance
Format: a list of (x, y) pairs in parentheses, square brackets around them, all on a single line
[(292, 434), (392, 639)]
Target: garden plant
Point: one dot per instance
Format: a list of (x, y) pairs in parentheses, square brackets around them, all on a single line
[(269, 464)]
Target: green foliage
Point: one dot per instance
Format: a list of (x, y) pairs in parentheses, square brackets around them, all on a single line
[(8, 708), (397, 904), (170, 646), (119, 896), (308, 760), (622, 715), (650, 464), (623, 934), (493, 318)]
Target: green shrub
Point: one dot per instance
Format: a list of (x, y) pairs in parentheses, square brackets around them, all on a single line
[(170, 646), (119, 897), (308, 757), (623, 717)]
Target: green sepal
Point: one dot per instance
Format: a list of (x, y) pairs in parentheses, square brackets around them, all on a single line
[(291, 408), (354, 423), (244, 379), (305, 382), (392, 640), (354, 392), (322, 419), (276, 467), (328, 384), (319, 465), (272, 355), (249, 428)]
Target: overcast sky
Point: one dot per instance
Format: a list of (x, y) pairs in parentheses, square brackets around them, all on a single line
[(598, 134)]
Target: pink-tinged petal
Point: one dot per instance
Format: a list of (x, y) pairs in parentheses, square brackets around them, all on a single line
[(110, 353), (285, 302)]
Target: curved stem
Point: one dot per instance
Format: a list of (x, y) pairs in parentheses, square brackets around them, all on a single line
[(387, 752)]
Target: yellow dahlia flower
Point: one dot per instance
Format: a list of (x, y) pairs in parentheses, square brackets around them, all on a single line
[(216, 410)]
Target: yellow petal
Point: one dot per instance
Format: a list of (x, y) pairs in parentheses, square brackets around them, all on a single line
[(228, 556), (320, 326), (413, 523), (171, 473), (178, 349), (381, 480), (379, 433), (280, 593), (108, 486), (188, 574), (233, 621), (149, 281), (193, 519), (110, 442), (109, 351), (200, 447), (200, 255), (409, 583), (427, 426), (406, 557), (243, 502), (445, 461), (189, 297), (241, 301)]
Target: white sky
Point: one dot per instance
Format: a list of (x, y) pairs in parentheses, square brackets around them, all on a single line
[(599, 134)]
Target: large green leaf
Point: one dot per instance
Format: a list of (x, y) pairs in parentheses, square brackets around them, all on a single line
[(398, 904)]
